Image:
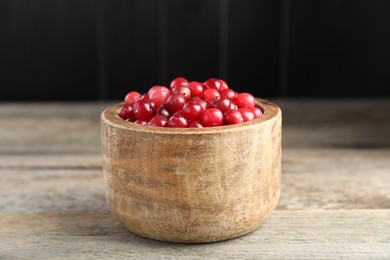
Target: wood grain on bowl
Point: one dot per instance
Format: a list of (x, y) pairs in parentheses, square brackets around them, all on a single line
[(192, 185)]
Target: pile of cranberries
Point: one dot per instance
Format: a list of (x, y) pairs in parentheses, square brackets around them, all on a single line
[(189, 104)]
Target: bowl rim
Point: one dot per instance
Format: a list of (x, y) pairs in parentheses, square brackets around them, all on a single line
[(270, 110)]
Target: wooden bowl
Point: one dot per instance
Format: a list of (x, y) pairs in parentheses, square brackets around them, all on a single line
[(192, 185)]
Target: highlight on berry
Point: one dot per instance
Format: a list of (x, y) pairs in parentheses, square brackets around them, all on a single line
[(191, 104)]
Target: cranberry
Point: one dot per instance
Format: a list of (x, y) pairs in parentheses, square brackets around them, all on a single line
[(224, 85), (245, 100), (228, 93), (163, 111), (233, 116), (192, 110), (143, 109), (257, 112), (158, 121), (179, 81), (178, 120), (183, 91), (159, 95), (246, 113), (201, 102), (211, 117), (131, 97), (141, 122), (213, 83), (126, 112), (222, 104), (175, 103), (209, 94), (196, 88), (195, 124), (233, 106), (189, 104)]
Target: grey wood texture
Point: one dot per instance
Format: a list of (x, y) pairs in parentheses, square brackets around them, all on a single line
[(335, 199)]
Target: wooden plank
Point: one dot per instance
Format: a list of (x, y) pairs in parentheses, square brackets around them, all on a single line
[(348, 180), (335, 179), (52, 190), (74, 128), (355, 234)]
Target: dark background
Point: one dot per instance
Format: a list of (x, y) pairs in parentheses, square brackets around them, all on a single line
[(99, 50)]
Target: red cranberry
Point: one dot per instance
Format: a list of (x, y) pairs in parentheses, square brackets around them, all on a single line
[(201, 102), (196, 88), (183, 91), (143, 109), (233, 117), (126, 112), (211, 117), (163, 111), (192, 110), (212, 83), (141, 122), (222, 104), (228, 93), (158, 121), (245, 100), (179, 81), (175, 103), (224, 85), (131, 97), (159, 95), (246, 113), (257, 112), (189, 104), (209, 94), (195, 124), (178, 120)]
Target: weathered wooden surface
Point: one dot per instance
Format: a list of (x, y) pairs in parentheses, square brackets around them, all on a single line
[(355, 234), (335, 199)]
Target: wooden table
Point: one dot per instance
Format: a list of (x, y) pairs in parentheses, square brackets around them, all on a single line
[(335, 201)]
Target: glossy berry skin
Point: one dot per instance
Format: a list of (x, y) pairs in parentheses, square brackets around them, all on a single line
[(143, 110), (224, 85), (209, 94), (195, 124), (246, 114), (257, 112), (158, 121), (211, 117), (189, 104), (228, 93), (126, 112), (183, 91), (200, 101), (245, 100), (163, 111), (159, 95), (141, 122), (131, 97), (222, 104), (192, 110), (178, 120), (196, 88), (175, 103), (212, 83), (233, 116), (179, 81)]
